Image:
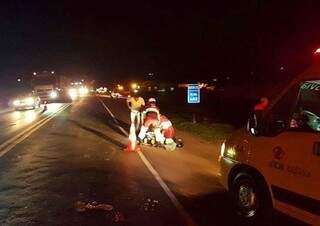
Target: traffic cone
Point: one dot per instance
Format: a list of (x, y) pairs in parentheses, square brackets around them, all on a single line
[(132, 143)]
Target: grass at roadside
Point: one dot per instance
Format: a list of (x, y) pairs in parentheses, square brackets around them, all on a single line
[(209, 131)]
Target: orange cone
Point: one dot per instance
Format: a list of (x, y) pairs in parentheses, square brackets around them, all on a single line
[(132, 143), (129, 147)]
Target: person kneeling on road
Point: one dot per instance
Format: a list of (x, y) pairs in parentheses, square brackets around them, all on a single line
[(135, 104), (165, 132), (150, 117)]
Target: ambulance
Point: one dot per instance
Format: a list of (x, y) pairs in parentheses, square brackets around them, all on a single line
[(274, 163)]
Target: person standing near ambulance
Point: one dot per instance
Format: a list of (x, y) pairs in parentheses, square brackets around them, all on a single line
[(135, 103)]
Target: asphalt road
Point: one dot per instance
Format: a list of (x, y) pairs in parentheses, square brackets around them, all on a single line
[(54, 162)]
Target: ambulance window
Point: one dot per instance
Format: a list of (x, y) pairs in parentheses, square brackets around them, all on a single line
[(282, 110), (306, 116)]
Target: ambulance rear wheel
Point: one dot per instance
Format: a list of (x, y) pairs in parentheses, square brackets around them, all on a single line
[(251, 200)]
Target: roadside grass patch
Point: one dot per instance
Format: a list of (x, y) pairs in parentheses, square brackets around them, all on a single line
[(207, 130)]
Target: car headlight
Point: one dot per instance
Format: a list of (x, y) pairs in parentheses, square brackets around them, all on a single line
[(222, 149), (231, 153), (29, 101), (54, 94), (228, 151), (16, 102)]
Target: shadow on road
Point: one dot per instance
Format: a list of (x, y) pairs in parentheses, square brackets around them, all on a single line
[(123, 124), (107, 120), (212, 209), (215, 205), (98, 133)]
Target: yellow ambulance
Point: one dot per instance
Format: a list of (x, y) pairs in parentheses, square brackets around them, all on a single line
[(274, 163)]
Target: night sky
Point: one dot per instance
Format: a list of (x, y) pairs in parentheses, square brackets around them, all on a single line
[(176, 40)]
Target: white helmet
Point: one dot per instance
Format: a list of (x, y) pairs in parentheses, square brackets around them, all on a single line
[(152, 100)]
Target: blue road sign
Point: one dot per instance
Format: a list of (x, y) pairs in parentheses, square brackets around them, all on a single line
[(193, 94)]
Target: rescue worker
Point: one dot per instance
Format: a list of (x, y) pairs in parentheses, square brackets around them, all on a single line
[(150, 117), (264, 102), (165, 132), (258, 113), (135, 104)]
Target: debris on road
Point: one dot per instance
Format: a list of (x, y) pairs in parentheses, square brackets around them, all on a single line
[(150, 205), (94, 207), (118, 217), (82, 206)]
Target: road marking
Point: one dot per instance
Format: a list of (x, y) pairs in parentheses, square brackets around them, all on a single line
[(114, 118), (12, 142), (172, 197), (187, 218)]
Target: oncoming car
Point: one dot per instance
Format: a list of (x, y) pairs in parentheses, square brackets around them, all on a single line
[(29, 101), (274, 163)]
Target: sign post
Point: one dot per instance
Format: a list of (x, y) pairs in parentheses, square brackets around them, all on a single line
[(193, 94), (193, 97)]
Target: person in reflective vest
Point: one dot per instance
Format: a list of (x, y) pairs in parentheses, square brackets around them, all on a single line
[(150, 117), (164, 133)]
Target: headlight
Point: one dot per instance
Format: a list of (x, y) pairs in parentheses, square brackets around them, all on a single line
[(229, 152), (54, 94), (29, 101), (83, 91), (73, 93), (16, 102), (223, 148)]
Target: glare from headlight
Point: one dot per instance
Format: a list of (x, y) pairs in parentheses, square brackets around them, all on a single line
[(29, 101), (53, 94), (73, 93), (30, 116), (16, 102), (83, 91)]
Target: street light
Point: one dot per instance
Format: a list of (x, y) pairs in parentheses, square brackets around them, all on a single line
[(134, 85), (34, 73), (52, 72)]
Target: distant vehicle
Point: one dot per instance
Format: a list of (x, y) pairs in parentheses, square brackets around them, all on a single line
[(50, 87), (28, 101), (275, 163), (102, 90), (115, 95)]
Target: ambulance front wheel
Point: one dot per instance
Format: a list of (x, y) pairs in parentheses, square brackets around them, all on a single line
[(251, 200)]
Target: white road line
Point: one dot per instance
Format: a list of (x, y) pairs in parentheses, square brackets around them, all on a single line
[(187, 218), (114, 118), (12, 142), (189, 221)]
